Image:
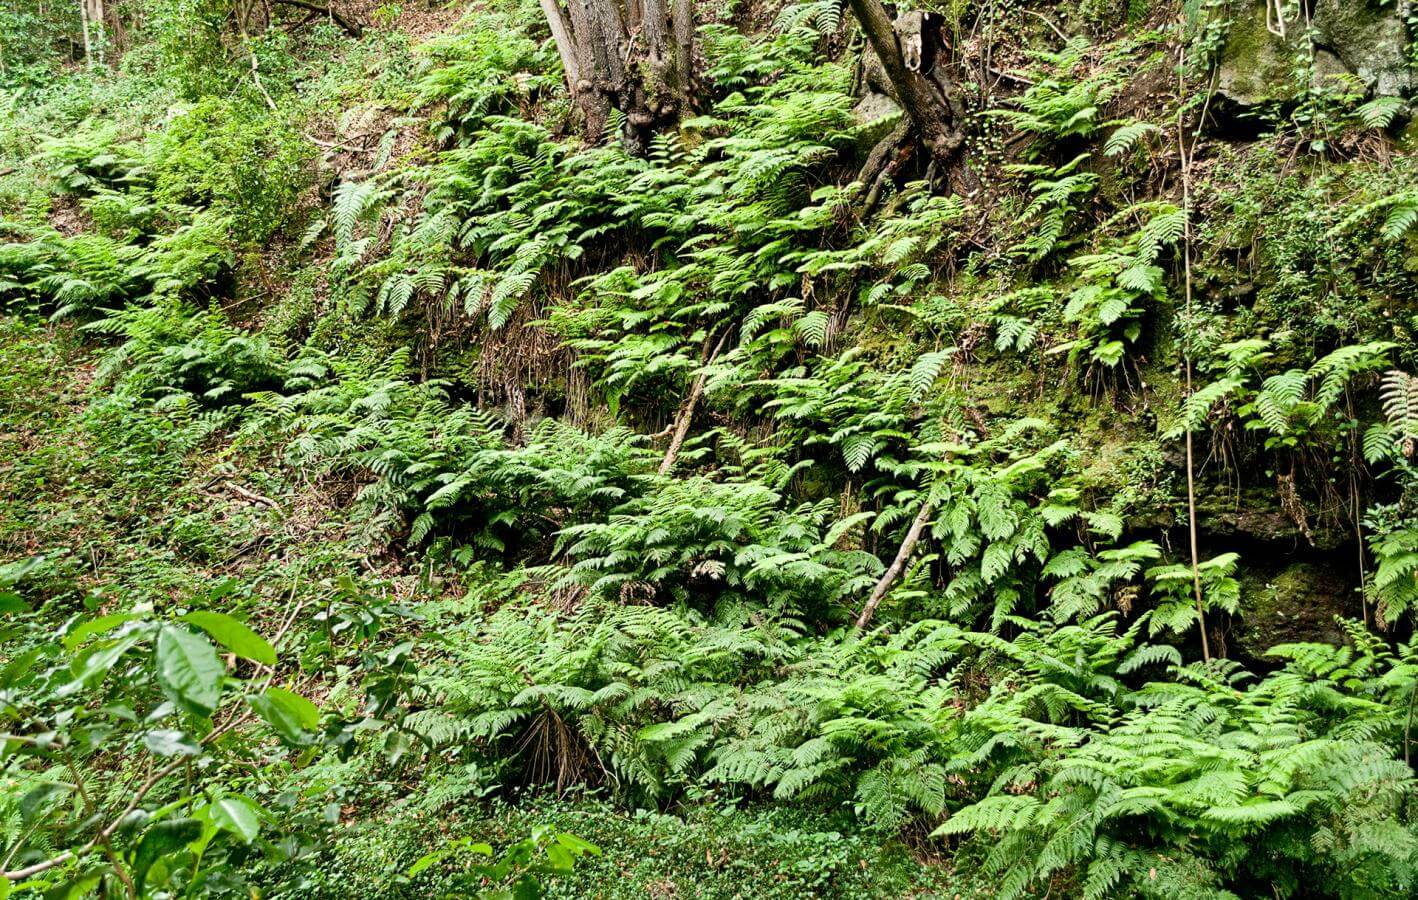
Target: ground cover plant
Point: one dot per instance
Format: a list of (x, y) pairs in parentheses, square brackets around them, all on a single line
[(717, 450)]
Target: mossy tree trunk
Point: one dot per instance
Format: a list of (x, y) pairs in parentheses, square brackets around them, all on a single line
[(907, 48), (636, 56)]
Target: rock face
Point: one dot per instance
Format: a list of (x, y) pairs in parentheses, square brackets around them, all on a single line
[(1256, 65), (1370, 39), (878, 111), (1297, 603), (1360, 38)]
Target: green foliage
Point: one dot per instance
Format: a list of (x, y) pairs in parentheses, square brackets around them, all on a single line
[(741, 394), (1231, 787), (1060, 104), (1288, 407), (236, 159), (518, 871), (102, 717), (31, 34), (492, 69), (91, 157), (730, 542)]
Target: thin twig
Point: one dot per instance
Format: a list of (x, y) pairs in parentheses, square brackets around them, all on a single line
[(1186, 159), (1049, 22), (352, 28)]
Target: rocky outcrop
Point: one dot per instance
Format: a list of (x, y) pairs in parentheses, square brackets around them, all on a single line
[(1362, 42), (1370, 39), (1296, 603), (1256, 65)]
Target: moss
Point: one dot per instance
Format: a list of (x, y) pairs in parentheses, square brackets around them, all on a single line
[(1297, 603), (1255, 64)]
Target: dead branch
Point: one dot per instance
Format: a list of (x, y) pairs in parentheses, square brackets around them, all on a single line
[(686, 414), (351, 27), (898, 565)]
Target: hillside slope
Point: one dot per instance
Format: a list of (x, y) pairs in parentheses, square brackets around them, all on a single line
[(425, 474)]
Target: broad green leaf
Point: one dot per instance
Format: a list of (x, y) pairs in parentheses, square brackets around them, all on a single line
[(10, 602), (578, 846), (80, 887), (94, 663), (560, 858), (188, 670), (102, 625), (428, 859), (169, 742), (38, 800), (18, 667), (163, 839), (289, 714), (12, 573), (234, 635), (236, 815)]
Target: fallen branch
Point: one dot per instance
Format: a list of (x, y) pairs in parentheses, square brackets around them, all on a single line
[(352, 28), (898, 565), (252, 495), (686, 414)]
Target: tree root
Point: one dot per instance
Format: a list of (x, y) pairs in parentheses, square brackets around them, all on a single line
[(883, 162)]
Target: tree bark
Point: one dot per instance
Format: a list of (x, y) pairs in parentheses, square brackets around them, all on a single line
[(924, 92), (565, 47), (633, 55), (669, 44), (88, 39), (682, 28), (587, 89)]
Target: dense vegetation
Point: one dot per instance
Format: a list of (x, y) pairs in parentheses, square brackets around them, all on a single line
[(774, 452)]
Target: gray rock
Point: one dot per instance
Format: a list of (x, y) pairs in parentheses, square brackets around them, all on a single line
[(1255, 65), (879, 112), (1371, 40), (1352, 38)]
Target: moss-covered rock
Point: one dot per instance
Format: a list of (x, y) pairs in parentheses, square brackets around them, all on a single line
[(878, 114), (1297, 603), (1346, 40), (1371, 39), (1256, 64)]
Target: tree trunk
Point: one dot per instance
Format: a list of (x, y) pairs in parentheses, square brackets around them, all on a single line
[(633, 55), (565, 47), (92, 17), (88, 38), (924, 91), (669, 45), (682, 29)]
